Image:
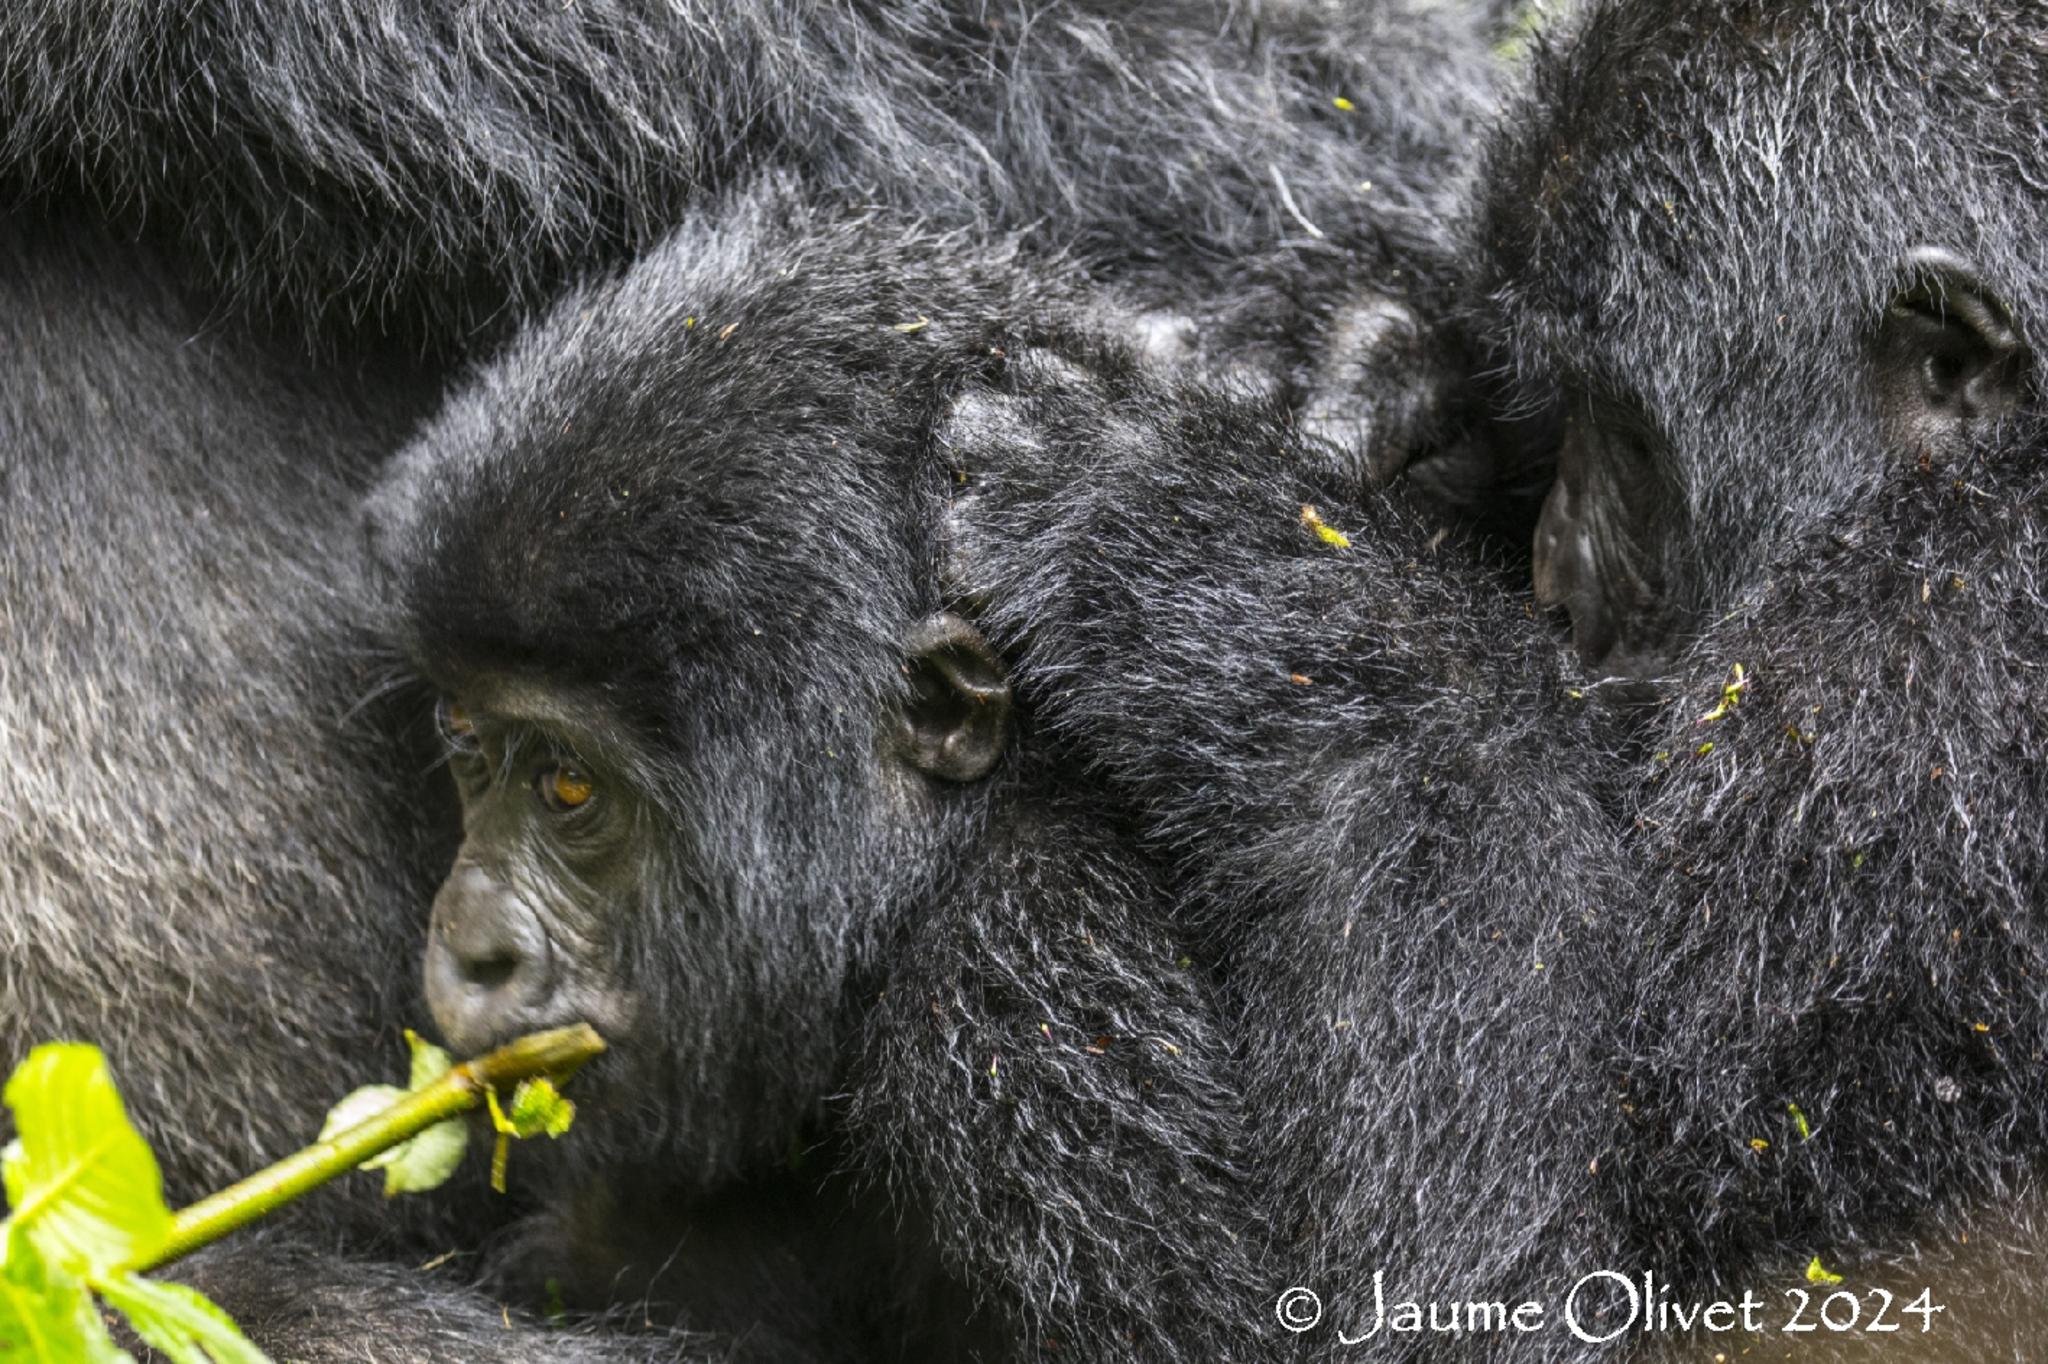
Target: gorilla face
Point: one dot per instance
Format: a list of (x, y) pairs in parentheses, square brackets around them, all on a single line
[(556, 846), (566, 842), (712, 734)]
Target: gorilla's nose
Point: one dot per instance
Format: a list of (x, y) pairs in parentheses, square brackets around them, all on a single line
[(489, 969)]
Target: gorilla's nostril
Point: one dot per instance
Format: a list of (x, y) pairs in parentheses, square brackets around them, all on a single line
[(489, 968), (491, 973)]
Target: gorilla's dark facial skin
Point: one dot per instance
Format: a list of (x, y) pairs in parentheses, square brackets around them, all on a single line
[(743, 785), (567, 844), (1599, 542), (552, 844), (570, 848), (1763, 261)]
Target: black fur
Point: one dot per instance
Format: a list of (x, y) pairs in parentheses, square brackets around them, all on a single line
[(1512, 998), (218, 834), (1488, 1065), (254, 245), (1378, 785), (432, 167), (705, 501), (1826, 899), (1701, 228), (1694, 227), (1844, 901)]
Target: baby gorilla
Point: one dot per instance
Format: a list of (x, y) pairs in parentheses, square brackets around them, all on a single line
[(894, 1012)]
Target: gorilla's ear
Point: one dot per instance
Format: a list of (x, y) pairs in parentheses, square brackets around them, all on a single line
[(957, 720), (1948, 357), (1598, 541)]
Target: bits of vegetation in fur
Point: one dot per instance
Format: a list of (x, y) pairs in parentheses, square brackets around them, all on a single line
[(1328, 534)]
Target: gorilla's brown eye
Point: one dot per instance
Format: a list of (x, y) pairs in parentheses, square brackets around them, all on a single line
[(563, 788), (455, 725)]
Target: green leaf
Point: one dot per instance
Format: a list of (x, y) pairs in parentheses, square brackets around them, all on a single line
[(46, 1316), (424, 1162), (83, 1185), (179, 1321), (359, 1107), (429, 1062), (537, 1107)]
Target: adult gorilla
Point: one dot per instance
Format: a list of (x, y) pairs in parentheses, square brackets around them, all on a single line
[(1782, 266), (246, 254)]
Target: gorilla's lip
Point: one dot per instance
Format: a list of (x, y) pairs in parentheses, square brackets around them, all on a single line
[(612, 1014)]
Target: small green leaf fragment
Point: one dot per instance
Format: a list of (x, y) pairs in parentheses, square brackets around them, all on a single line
[(538, 1107), (1799, 1121), (1325, 532), (179, 1321), (82, 1183), (1731, 696)]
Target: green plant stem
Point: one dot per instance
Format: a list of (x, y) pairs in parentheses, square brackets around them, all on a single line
[(556, 1054)]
